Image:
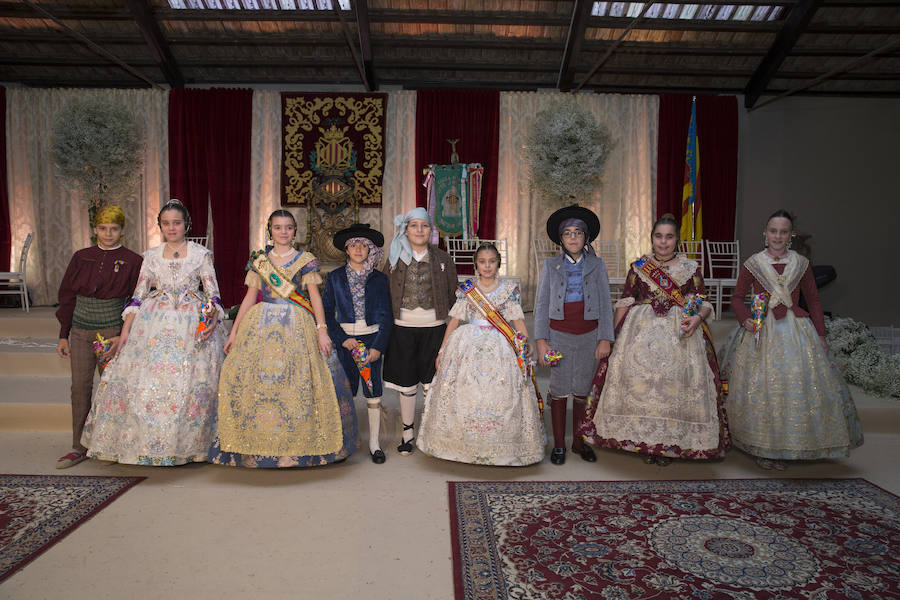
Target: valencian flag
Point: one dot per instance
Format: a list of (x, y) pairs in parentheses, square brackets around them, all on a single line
[(691, 222)]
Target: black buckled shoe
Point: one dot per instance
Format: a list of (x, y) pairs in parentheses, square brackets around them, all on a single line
[(558, 456), (378, 457), (586, 453)]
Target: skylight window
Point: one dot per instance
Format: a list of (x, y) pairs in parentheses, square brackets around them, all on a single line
[(260, 4), (700, 12)]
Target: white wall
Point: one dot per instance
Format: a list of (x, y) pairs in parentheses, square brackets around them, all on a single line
[(833, 162)]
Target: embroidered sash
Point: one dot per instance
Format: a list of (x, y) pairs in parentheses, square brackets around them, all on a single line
[(665, 284), (278, 281), (480, 302), (778, 286), (661, 279)]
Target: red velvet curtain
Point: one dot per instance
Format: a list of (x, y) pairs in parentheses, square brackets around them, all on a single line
[(717, 134), (5, 229), (473, 117), (209, 166)]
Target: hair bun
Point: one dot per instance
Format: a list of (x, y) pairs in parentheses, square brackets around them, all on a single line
[(668, 216)]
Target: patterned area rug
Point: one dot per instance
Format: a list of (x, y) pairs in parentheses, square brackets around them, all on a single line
[(36, 511), (741, 539)]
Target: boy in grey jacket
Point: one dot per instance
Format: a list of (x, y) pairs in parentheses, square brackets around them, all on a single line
[(573, 315)]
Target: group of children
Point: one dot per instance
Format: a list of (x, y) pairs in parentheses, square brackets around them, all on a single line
[(278, 390)]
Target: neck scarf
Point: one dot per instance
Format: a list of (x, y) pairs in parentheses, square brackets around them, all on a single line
[(372, 260)]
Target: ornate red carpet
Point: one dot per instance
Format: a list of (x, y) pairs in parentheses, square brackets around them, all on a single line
[(36, 511), (704, 540)]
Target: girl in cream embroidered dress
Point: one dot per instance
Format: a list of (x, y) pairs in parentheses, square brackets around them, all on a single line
[(281, 404), (658, 393), (786, 399), (480, 409), (156, 400)]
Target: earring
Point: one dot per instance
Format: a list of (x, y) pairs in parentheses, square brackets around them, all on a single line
[(765, 241), (790, 241)]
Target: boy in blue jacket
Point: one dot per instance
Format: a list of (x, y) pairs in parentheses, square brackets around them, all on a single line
[(357, 302)]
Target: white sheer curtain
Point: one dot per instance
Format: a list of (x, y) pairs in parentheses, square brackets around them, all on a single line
[(400, 177), (625, 200), (399, 192), (265, 167), (43, 203)]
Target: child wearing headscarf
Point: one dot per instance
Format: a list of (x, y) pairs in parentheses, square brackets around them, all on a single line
[(98, 282), (423, 289), (357, 304)]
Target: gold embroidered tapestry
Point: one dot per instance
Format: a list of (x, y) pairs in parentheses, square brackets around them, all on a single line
[(332, 149)]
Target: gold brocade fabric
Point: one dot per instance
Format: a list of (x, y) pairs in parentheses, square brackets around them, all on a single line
[(276, 394), (325, 136), (786, 398)]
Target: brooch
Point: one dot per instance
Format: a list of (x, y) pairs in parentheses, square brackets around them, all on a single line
[(117, 264), (442, 267)]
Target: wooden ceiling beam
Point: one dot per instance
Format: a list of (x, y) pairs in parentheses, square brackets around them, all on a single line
[(835, 73), (612, 47), (365, 42), (581, 11), (56, 37), (143, 16), (20, 10), (794, 26), (94, 47), (250, 64)]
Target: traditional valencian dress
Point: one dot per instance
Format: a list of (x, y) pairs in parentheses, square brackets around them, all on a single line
[(658, 392), (157, 399), (786, 398), (480, 408), (281, 404)]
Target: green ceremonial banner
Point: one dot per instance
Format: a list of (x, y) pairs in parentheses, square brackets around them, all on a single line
[(451, 205)]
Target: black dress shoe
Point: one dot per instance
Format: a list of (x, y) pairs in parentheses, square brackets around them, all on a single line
[(406, 447), (378, 457), (558, 456), (586, 453)]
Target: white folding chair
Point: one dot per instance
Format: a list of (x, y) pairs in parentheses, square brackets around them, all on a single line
[(693, 249), (543, 249), (14, 282), (723, 261), (462, 252), (612, 254), (199, 239)]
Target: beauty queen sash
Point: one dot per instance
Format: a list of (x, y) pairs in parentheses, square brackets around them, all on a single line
[(484, 306), (280, 283), (665, 284), (480, 302)]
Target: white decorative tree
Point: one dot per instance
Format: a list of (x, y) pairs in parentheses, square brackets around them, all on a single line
[(568, 150)]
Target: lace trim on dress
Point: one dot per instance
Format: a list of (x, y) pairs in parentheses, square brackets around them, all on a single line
[(779, 286), (624, 302), (680, 270)]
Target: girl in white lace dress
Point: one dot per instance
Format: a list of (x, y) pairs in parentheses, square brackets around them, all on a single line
[(480, 409), (157, 398)]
